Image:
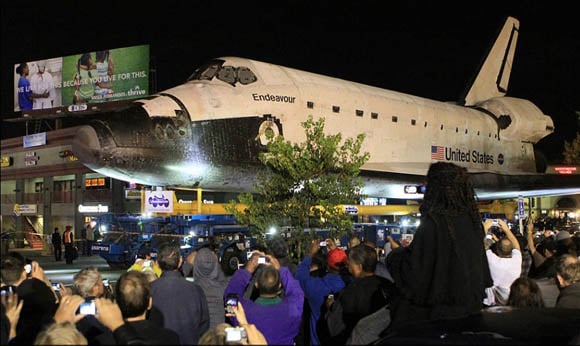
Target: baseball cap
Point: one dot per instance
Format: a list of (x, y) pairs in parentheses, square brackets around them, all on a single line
[(335, 258)]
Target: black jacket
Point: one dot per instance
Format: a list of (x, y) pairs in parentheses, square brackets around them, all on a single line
[(441, 274), (56, 239)]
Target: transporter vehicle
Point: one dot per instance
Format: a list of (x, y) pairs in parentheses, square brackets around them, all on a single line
[(121, 237)]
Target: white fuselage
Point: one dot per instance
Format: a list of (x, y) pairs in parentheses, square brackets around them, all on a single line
[(401, 131)]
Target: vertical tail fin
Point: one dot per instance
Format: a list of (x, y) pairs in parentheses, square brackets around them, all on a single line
[(493, 76)]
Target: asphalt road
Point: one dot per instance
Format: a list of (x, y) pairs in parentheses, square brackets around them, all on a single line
[(63, 273)]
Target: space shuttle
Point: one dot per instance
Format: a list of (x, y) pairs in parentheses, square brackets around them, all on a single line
[(208, 132)]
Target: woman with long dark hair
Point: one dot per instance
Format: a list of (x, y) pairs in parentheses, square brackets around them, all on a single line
[(443, 273)]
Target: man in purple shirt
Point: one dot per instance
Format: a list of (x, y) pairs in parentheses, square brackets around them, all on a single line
[(277, 318)]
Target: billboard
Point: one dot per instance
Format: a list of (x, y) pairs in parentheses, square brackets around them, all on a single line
[(85, 78)]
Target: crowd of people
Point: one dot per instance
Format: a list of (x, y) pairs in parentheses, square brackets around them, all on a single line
[(456, 267)]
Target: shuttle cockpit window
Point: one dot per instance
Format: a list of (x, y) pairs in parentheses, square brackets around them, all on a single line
[(205, 72), (245, 75), (227, 73)]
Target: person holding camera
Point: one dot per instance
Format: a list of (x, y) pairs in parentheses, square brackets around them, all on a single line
[(226, 334), (505, 263), (88, 283), (28, 281), (144, 262), (317, 286), (276, 317)]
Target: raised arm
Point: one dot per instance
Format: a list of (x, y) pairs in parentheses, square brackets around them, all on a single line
[(530, 235), (509, 234)]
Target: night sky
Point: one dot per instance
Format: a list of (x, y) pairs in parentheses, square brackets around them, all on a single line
[(425, 49)]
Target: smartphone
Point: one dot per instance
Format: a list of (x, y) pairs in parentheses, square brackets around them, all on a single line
[(331, 296), (249, 254), (263, 259), (234, 334), (147, 263), (28, 268), (87, 308), (55, 286), (322, 243), (106, 282), (231, 301)]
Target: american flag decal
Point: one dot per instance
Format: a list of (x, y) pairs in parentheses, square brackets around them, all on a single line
[(437, 153)]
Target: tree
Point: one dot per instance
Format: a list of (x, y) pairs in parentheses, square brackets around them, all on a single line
[(305, 184), (572, 149)]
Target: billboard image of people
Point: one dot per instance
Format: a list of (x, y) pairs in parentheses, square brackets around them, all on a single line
[(84, 78), (37, 84)]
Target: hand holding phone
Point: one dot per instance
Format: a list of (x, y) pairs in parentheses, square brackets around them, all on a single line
[(88, 307), (231, 303)]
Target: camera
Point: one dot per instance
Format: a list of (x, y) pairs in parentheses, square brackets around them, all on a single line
[(5, 290), (28, 266), (231, 301), (235, 334), (263, 259), (322, 243), (88, 307), (147, 263)]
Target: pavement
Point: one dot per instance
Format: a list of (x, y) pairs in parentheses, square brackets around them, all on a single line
[(64, 273)]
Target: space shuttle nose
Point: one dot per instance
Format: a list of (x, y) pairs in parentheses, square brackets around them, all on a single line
[(86, 146)]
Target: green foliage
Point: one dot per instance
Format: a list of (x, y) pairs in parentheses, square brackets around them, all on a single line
[(572, 151), (305, 184)]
